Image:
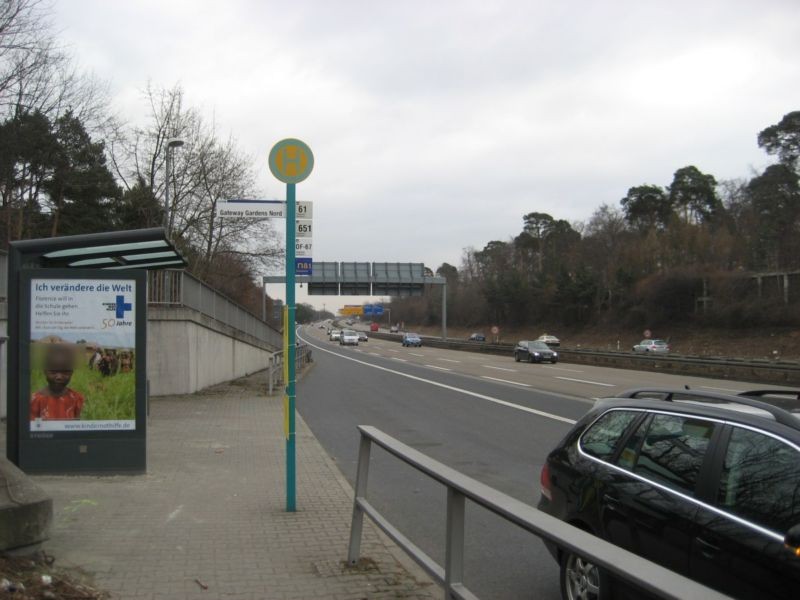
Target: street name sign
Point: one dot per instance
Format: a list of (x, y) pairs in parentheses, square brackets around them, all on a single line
[(261, 209)]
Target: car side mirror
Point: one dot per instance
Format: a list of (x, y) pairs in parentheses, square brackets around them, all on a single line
[(792, 540)]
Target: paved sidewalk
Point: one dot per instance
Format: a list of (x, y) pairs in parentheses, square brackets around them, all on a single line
[(210, 512)]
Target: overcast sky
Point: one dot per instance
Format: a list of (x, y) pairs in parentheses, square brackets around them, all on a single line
[(437, 125)]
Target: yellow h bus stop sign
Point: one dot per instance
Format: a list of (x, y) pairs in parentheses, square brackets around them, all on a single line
[(291, 161)]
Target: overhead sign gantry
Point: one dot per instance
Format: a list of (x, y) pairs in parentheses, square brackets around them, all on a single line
[(398, 279)]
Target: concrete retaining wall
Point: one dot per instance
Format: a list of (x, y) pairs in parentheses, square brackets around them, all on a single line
[(187, 351)]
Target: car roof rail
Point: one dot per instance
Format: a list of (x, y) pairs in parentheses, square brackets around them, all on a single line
[(781, 415), (761, 393)]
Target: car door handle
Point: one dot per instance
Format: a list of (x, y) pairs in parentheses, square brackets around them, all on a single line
[(707, 549), (612, 502)]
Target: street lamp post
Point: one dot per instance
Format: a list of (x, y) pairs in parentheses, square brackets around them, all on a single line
[(171, 143)]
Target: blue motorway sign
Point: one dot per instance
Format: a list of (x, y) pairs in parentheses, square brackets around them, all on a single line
[(377, 310), (367, 310), (303, 266)]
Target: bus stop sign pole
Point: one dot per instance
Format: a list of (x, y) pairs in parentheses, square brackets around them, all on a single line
[(290, 161)]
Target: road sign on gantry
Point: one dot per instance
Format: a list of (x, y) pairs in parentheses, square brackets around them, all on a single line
[(324, 279), (291, 161), (356, 277), (398, 279)]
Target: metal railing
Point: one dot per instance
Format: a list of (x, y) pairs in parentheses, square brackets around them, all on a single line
[(624, 565), (302, 357), (3, 275), (178, 288)]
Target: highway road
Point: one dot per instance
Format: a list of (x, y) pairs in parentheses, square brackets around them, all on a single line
[(484, 415)]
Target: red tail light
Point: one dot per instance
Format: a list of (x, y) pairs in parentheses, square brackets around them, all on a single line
[(544, 480)]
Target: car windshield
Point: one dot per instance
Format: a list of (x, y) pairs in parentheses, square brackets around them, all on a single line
[(538, 346), (411, 335), (349, 332)]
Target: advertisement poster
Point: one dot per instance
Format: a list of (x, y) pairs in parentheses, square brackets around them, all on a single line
[(82, 355)]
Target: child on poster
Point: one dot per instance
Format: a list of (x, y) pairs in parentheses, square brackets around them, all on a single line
[(56, 400)]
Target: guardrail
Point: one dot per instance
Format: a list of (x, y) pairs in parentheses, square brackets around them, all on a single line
[(625, 565), (302, 357), (757, 371), (178, 288)]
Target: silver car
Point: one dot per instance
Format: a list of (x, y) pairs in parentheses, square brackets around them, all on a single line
[(656, 346), (348, 338), (335, 335)]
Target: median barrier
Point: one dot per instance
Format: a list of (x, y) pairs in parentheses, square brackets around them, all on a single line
[(755, 370)]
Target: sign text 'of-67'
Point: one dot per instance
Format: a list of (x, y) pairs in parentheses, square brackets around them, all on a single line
[(303, 247), (261, 209)]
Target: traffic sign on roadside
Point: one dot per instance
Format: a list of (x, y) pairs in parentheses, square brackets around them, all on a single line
[(303, 266), (291, 161)]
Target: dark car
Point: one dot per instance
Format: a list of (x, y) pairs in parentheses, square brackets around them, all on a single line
[(476, 337), (535, 351), (412, 339), (705, 484)]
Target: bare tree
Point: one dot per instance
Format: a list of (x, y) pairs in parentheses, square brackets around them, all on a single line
[(25, 42), (204, 172)]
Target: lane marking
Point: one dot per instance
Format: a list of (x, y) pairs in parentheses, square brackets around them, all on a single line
[(498, 401), (505, 381), (374, 354), (440, 368), (415, 354), (450, 360), (500, 368), (563, 369), (706, 387), (400, 359), (392, 350), (585, 381), (174, 513)]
